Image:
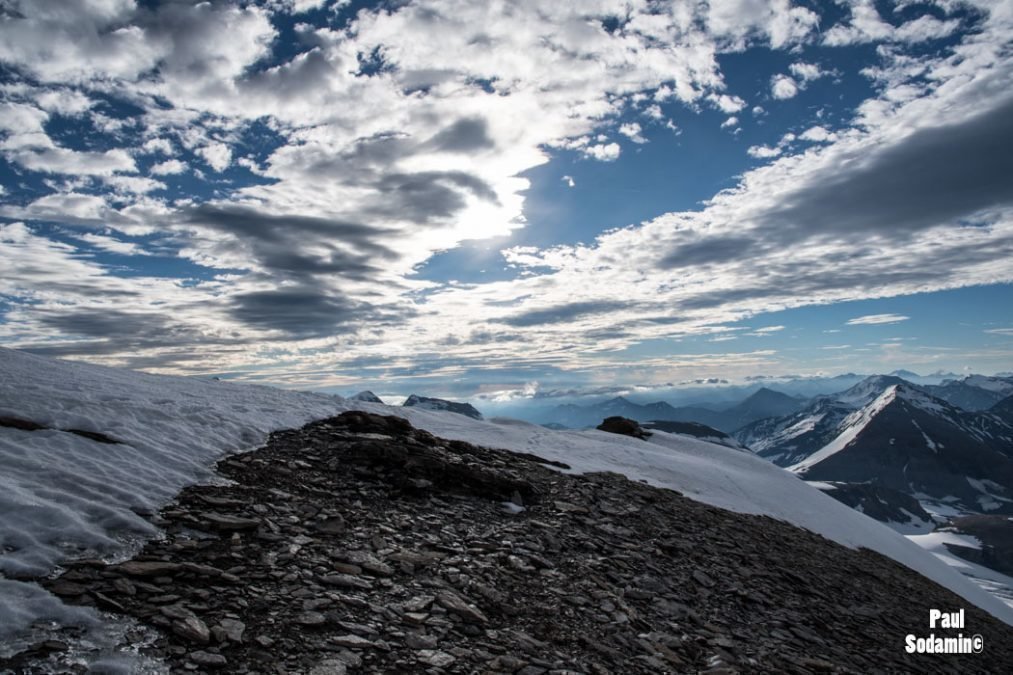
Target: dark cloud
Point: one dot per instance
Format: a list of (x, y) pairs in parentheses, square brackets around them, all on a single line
[(106, 322), (935, 176), (281, 243), (425, 196), (298, 312), (562, 313), (484, 337), (706, 251), (466, 135), (247, 221), (141, 339), (932, 177)]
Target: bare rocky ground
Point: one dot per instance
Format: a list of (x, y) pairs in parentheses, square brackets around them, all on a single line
[(359, 544)]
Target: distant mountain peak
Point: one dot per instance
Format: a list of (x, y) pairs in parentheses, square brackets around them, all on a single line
[(367, 397), (869, 389), (429, 403)]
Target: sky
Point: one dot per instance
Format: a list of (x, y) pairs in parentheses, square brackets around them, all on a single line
[(489, 200)]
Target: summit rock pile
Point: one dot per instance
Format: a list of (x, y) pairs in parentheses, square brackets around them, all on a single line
[(361, 544)]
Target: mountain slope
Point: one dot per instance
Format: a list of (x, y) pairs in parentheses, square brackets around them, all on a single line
[(963, 394), (908, 441), (790, 439)]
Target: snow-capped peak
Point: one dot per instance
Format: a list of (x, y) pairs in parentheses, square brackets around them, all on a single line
[(868, 390)]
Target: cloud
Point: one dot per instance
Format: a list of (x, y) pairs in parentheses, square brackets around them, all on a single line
[(806, 72), (783, 87), (632, 131), (1005, 332), (934, 175), (414, 131), (866, 25), (217, 155), (707, 251), (763, 151), (562, 313), (876, 319), (111, 244), (73, 162), (569, 181), (466, 135), (298, 312), (168, 167), (726, 103), (603, 152), (818, 134)]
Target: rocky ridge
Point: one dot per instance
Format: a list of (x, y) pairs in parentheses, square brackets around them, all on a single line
[(360, 544)]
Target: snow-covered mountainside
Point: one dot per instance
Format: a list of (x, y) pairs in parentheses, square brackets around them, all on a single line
[(908, 441), (427, 403), (790, 439), (974, 392), (67, 495), (367, 396)]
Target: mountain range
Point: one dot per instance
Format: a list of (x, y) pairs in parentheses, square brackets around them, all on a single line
[(761, 404), (892, 433)]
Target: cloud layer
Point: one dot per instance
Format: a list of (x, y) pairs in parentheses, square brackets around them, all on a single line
[(271, 187)]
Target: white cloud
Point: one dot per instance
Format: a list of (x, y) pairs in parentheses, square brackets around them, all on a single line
[(805, 72), (603, 152), (136, 185), (877, 319), (111, 244), (168, 167), (569, 181), (730, 122), (727, 104), (818, 134), (63, 101), (157, 145), (217, 155), (1005, 332), (783, 87), (763, 151), (866, 25), (632, 131), (73, 162)]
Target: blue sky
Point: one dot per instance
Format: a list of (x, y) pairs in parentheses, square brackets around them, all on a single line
[(446, 196)]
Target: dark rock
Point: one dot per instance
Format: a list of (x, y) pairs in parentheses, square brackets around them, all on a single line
[(624, 427)]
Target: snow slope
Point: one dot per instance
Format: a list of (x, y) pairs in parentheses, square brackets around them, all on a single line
[(995, 582), (63, 495)]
